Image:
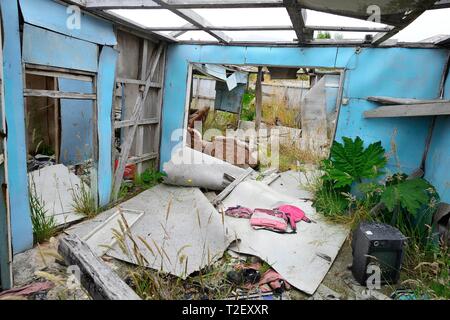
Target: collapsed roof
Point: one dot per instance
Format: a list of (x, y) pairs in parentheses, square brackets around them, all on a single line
[(395, 14)]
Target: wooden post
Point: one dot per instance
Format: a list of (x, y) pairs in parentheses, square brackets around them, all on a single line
[(258, 92), (101, 282)]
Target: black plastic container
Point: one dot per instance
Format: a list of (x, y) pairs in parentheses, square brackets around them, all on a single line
[(377, 244)]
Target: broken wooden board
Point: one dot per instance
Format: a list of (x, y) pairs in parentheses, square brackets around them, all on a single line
[(97, 278), (55, 186), (180, 225), (304, 258)]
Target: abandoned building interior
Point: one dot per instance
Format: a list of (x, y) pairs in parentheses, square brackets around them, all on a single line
[(145, 155)]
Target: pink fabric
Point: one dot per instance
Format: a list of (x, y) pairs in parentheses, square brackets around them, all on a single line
[(239, 212), (295, 213), (269, 219)]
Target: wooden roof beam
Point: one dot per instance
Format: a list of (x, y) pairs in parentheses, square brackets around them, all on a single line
[(183, 4), (298, 18)]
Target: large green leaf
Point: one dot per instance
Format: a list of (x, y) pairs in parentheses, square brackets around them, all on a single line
[(350, 162), (410, 195)]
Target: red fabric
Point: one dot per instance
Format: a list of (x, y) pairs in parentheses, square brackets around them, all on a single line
[(130, 170)]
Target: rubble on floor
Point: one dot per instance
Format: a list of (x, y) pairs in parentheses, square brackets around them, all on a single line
[(179, 233), (55, 186), (303, 258)]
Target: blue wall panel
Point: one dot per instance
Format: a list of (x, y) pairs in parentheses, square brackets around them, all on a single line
[(105, 90), (438, 161), (54, 16), (397, 72), (22, 231), (76, 123), (52, 49)]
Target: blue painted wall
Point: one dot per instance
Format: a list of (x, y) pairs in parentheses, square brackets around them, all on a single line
[(21, 228), (396, 72), (438, 161), (54, 16), (105, 84), (53, 49), (77, 123)]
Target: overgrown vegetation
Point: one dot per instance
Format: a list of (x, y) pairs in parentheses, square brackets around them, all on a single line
[(83, 201), (44, 225), (350, 191)]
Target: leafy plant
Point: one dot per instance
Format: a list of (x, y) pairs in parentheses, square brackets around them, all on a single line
[(410, 195), (44, 225), (350, 162), (150, 178)]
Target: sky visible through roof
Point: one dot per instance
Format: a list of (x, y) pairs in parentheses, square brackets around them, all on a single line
[(429, 24)]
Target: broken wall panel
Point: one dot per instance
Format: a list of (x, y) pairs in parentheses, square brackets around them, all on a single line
[(77, 123), (57, 17), (400, 72), (48, 48)]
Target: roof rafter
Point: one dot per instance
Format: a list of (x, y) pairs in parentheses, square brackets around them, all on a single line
[(298, 18), (408, 19), (195, 19), (183, 4), (190, 27)]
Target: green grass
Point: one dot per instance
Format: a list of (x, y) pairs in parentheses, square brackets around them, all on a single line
[(84, 201), (44, 225)]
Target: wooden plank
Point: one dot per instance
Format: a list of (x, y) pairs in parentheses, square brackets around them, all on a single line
[(221, 196), (412, 110), (392, 101), (126, 147), (100, 281), (259, 98), (190, 27), (157, 141), (140, 130), (58, 94), (143, 158), (183, 4), (59, 75), (129, 123)]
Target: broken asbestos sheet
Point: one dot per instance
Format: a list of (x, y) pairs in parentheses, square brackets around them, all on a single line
[(182, 231), (304, 258), (55, 186), (191, 168)]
